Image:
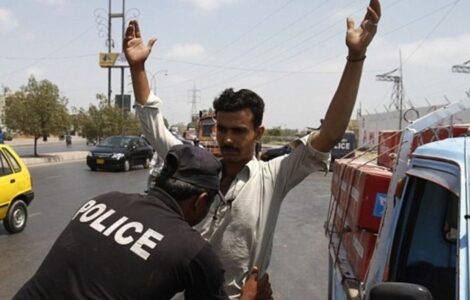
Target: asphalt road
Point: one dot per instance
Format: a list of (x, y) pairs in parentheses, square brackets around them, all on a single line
[(298, 267)]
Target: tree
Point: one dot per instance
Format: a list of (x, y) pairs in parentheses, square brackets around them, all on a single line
[(37, 109), (103, 120)]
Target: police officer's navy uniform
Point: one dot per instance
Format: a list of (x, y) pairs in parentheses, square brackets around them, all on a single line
[(128, 246)]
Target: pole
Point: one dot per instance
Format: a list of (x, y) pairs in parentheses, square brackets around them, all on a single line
[(122, 68), (400, 94), (109, 51)]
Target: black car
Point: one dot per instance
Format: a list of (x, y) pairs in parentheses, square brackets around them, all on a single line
[(121, 153), (275, 152)]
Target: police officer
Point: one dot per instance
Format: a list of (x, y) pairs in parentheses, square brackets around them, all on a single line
[(136, 246)]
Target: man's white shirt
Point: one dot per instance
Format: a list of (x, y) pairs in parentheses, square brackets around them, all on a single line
[(241, 231)]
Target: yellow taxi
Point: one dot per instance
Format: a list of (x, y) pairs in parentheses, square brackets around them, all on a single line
[(15, 190)]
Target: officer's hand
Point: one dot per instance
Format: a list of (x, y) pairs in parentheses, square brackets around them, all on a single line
[(255, 289), (134, 49)]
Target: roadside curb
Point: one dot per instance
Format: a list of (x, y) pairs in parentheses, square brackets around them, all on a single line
[(51, 158)]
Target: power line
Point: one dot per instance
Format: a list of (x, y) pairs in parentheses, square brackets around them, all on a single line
[(64, 45)]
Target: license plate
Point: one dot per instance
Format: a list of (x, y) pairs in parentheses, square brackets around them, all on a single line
[(100, 161)]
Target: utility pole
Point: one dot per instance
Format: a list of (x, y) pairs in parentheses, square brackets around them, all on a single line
[(110, 43), (397, 96)]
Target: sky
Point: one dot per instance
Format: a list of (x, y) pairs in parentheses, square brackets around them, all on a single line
[(290, 52)]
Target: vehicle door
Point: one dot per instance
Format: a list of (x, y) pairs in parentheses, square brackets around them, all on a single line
[(425, 247), (136, 150), (147, 149), (8, 186)]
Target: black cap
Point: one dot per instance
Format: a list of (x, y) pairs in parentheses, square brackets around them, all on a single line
[(194, 165)]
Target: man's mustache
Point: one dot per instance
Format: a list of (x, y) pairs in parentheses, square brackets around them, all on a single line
[(229, 148)]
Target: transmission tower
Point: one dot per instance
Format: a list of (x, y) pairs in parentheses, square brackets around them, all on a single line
[(195, 99), (397, 95), (463, 68)]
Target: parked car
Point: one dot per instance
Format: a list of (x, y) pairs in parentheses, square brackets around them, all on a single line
[(275, 152), (16, 191), (121, 153)]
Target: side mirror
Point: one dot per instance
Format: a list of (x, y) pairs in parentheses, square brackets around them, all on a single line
[(399, 291)]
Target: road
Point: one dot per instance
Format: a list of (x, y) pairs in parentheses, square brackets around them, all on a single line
[(298, 267)]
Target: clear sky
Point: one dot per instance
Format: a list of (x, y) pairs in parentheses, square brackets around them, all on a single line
[(291, 52)]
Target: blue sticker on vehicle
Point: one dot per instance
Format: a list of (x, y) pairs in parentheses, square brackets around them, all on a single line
[(380, 199)]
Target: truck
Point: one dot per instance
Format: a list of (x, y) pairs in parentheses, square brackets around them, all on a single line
[(400, 231), (207, 130)]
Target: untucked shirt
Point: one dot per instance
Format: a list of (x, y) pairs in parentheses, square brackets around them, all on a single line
[(241, 232), (128, 246)]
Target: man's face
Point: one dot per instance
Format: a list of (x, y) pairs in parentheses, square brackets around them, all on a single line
[(236, 135)]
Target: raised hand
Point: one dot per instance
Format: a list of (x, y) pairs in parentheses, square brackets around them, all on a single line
[(134, 48), (357, 39)]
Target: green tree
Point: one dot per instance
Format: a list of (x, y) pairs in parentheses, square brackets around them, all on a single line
[(37, 109), (103, 120)]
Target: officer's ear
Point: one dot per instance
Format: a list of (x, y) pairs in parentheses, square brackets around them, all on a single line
[(202, 201)]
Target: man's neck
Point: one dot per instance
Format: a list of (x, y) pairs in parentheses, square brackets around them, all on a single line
[(231, 169)]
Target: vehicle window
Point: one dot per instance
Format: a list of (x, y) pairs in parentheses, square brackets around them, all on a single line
[(425, 247), (115, 141), (5, 168), (207, 130), (13, 161)]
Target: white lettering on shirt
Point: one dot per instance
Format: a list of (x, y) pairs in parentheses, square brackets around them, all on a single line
[(98, 214), (145, 240), (119, 236), (96, 224), (84, 208), (92, 213)]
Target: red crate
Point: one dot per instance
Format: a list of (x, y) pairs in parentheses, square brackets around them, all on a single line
[(345, 185), (359, 247), (390, 139), (368, 193), (338, 168)]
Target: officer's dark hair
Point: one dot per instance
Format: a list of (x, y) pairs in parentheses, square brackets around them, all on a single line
[(231, 101), (179, 189)]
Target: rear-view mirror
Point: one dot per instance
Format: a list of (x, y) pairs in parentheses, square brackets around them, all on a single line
[(399, 291)]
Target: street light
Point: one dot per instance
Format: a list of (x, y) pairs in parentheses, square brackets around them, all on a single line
[(153, 79)]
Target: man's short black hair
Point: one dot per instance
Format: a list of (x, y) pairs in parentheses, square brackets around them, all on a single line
[(231, 101)]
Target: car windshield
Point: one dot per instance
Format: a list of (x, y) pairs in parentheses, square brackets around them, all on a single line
[(115, 141)]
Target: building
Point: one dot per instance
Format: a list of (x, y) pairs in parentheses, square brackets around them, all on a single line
[(371, 124)]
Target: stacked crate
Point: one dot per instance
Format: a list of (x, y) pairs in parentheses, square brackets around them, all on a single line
[(359, 192)]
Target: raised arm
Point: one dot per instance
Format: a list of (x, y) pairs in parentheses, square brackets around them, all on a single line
[(339, 111), (137, 53), (150, 118)]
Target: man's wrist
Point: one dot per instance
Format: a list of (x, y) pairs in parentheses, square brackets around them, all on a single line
[(356, 56)]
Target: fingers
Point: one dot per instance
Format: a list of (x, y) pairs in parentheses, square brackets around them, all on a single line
[(137, 29), (264, 288), (151, 42), (373, 16), (375, 6), (254, 273), (130, 31), (350, 23)]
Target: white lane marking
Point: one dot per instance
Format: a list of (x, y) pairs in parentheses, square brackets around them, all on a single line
[(35, 214)]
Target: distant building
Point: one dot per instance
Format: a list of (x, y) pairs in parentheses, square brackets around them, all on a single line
[(371, 124)]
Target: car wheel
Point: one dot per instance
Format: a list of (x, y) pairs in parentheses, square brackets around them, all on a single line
[(126, 166), (147, 163), (17, 217), (93, 169)]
